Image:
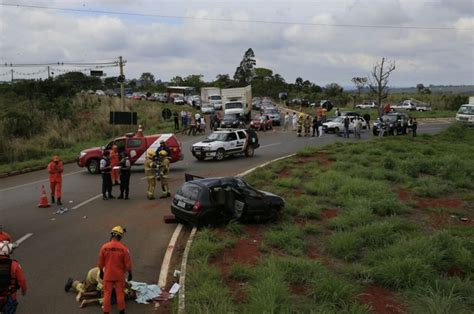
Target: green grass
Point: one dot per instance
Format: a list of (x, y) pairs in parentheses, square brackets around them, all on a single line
[(375, 239), (287, 238)]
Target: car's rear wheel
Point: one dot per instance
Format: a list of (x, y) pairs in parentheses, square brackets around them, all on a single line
[(220, 154), (93, 166), (249, 151)]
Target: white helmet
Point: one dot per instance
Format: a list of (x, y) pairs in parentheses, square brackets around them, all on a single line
[(6, 248)]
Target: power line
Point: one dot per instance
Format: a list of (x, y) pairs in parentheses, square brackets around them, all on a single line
[(93, 64), (230, 20)]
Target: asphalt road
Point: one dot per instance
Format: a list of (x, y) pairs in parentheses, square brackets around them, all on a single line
[(67, 245)]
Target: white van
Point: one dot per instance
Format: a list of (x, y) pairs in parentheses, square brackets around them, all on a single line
[(466, 114)]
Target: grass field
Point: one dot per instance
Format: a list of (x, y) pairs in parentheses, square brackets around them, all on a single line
[(372, 227), (90, 128)]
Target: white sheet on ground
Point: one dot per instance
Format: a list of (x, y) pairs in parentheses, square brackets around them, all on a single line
[(145, 291)]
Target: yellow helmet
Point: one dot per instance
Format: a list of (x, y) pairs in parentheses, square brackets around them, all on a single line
[(163, 152), (150, 153), (118, 230), (301, 115)]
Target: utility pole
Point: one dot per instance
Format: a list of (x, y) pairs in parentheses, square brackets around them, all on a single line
[(122, 84), (12, 74), (49, 72)]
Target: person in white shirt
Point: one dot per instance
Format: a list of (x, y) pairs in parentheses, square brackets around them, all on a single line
[(286, 121), (295, 121)]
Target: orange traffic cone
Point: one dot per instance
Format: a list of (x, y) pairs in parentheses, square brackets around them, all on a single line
[(43, 203)]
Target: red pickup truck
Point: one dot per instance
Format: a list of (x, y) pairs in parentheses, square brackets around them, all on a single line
[(135, 145)]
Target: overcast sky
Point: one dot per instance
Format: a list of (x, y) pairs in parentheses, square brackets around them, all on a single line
[(200, 45)]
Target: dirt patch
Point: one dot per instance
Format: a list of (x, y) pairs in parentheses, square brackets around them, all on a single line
[(424, 202), (404, 195), (323, 159), (245, 251), (329, 213), (454, 271), (439, 221), (298, 289), (381, 301), (284, 173)]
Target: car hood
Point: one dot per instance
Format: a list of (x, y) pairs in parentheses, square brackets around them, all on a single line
[(205, 143), (91, 150)]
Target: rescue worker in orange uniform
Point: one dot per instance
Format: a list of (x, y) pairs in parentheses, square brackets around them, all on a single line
[(114, 262), (12, 277), (114, 162), (55, 169)]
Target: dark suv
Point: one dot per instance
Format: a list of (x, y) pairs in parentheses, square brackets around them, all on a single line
[(213, 201), (393, 121)]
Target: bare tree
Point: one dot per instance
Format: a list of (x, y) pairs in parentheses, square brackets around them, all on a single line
[(359, 82), (378, 80)]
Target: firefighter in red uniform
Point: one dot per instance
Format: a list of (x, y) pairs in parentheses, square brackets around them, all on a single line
[(11, 276), (114, 162), (114, 262), (55, 169)]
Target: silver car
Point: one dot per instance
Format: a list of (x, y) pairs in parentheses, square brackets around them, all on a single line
[(207, 109)]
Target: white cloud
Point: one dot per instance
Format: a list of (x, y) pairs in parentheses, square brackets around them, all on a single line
[(169, 47)]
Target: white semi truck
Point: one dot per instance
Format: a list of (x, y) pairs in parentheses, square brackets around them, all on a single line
[(238, 100)]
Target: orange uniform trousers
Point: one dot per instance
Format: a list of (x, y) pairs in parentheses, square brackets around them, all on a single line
[(119, 287)]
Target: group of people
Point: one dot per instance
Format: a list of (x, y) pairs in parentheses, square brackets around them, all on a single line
[(106, 284), (115, 165), (194, 123)]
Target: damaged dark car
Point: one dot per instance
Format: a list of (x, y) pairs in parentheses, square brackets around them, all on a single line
[(215, 201)]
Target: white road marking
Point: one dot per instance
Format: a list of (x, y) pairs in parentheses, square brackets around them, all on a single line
[(87, 201), (268, 145), (20, 240), (39, 181)]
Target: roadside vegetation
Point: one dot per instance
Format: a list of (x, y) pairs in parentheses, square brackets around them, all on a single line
[(367, 226), (45, 121)]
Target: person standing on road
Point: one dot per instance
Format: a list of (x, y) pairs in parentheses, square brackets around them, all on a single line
[(381, 128), (176, 120), (125, 166), (163, 146), (105, 168), (55, 170), (346, 127), (414, 127), (164, 171), (307, 125), (295, 121), (300, 125), (114, 162), (114, 262), (12, 277), (315, 126), (286, 122), (184, 119), (337, 113), (150, 166), (367, 119)]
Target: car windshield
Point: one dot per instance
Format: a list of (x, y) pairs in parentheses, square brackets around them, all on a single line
[(190, 191), (231, 117), (244, 186), (338, 119), (232, 105), (215, 97), (466, 110), (271, 110), (207, 106), (217, 137)]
